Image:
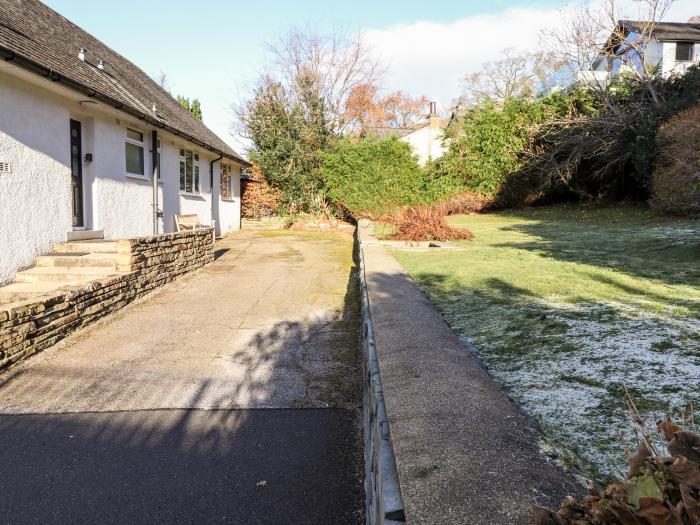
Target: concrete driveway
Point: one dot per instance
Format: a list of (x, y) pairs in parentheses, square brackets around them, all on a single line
[(231, 395)]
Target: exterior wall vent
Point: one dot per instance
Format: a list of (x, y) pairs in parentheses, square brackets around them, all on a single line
[(5, 167)]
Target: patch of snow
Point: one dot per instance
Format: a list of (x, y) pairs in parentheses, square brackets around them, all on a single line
[(571, 380)]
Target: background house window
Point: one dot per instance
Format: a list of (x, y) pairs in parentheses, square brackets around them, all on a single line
[(189, 171), (226, 181), (134, 152), (684, 51)]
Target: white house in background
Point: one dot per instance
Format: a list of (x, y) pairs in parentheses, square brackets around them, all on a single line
[(425, 137), (674, 47), (89, 143)]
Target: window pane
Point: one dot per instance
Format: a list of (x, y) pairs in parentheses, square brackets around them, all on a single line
[(134, 159), (182, 176), (196, 178), (182, 152), (684, 51), (133, 134)]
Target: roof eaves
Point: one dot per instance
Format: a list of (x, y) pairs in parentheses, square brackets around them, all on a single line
[(32, 66)]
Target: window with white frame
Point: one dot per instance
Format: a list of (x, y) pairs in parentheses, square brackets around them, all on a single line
[(189, 171), (134, 152), (226, 176), (684, 51)]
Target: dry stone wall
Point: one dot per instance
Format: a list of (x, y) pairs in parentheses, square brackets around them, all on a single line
[(143, 264)]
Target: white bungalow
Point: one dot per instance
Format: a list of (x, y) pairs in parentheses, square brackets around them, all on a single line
[(670, 48), (91, 146)]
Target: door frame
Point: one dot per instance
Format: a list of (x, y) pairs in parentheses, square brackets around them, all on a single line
[(81, 146)]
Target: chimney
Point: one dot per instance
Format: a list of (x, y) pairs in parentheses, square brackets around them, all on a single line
[(433, 116)]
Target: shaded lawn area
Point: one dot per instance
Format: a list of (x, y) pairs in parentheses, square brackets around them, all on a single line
[(565, 305)]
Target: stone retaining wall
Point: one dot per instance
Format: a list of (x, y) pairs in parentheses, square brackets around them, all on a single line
[(144, 263), (383, 501)]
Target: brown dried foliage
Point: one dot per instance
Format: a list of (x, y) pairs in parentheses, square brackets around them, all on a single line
[(426, 223), (676, 179), (466, 202), (258, 198), (658, 490)]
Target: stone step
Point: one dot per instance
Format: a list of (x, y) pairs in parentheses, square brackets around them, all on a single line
[(19, 292), (81, 235), (62, 275), (93, 246), (72, 260)]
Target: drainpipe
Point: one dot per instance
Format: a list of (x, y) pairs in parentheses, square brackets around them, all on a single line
[(211, 185), (156, 174)]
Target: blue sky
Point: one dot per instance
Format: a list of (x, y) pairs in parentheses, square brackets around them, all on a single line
[(214, 49)]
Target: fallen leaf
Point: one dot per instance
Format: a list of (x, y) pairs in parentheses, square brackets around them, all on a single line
[(656, 513), (644, 487), (545, 516), (668, 428), (685, 472), (617, 512), (685, 444), (639, 460), (691, 501)]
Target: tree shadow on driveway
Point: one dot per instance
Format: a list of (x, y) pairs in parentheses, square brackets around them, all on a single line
[(216, 462)]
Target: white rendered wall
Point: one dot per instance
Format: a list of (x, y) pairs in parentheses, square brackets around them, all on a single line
[(35, 210), (426, 143), (35, 198), (228, 211)]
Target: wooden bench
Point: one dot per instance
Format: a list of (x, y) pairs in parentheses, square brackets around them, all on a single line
[(192, 222)]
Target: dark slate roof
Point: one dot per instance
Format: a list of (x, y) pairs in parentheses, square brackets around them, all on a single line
[(39, 39), (667, 30)]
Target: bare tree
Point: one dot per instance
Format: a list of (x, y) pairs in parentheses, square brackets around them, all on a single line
[(598, 35), (332, 65), (163, 81), (514, 75)]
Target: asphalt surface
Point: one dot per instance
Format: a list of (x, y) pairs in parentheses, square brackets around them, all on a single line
[(232, 395), (180, 466)]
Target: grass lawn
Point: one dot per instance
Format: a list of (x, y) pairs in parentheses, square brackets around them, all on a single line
[(565, 305)]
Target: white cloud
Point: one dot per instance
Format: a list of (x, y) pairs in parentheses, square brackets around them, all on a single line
[(431, 58)]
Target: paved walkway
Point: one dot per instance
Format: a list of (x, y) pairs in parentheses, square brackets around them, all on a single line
[(464, 452), (230, 395)]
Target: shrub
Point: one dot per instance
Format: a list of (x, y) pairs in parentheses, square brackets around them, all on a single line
[(371, 177), (660, 489), (466, 202), (676, 176), (425, 222), (288, 134), (487, 150), (258, 198)]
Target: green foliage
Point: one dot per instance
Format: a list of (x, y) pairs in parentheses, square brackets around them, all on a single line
[(487, 148), (193, 107), (289, 135), (371, 177)]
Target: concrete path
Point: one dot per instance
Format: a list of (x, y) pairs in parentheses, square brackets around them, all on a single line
[(231, 395), (464, 452)]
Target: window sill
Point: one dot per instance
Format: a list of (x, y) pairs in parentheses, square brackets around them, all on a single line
[(192, 195), (228, 200), (137, 177)]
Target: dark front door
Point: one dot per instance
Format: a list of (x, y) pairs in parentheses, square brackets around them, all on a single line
[(76, 169)]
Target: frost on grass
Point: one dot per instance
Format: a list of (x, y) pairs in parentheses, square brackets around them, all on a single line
[(566, 364)]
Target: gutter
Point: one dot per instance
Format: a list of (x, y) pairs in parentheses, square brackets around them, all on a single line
[(34, 67), (156, 179)]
